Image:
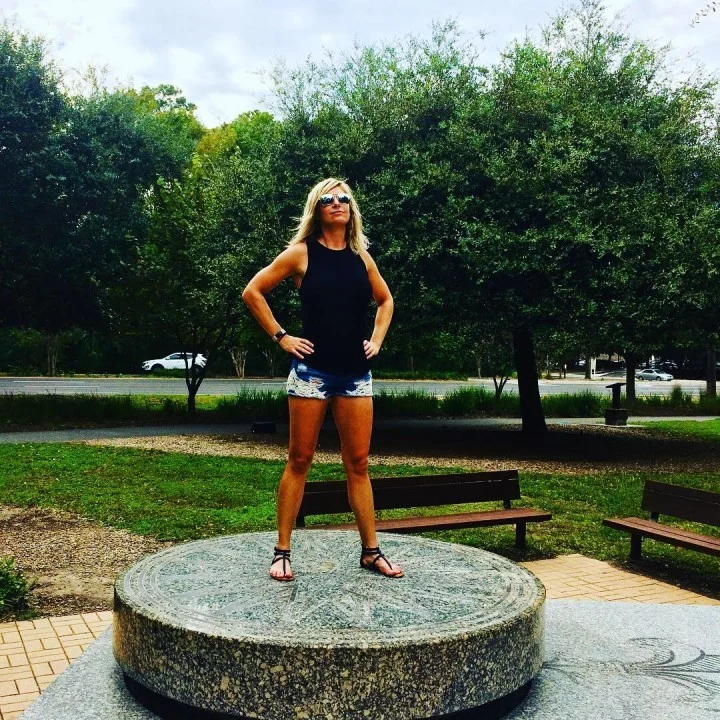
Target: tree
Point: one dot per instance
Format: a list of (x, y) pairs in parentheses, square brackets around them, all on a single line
[(584, 165), (704, 12), (184, 283), (77, 169), (31, 105), (208, 233)]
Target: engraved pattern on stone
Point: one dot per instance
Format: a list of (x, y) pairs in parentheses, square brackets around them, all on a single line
[(222, 586), (686, 666)]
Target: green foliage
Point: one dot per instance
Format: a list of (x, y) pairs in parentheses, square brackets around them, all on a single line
[(52, 408), (585, 404), (14, 592), (538, 200), (252, 405), (411, 403), (27, 411), (468, 401), (677, 402)]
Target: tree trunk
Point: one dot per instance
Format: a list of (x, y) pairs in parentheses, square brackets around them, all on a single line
[(194, 375), (711, 374), (533, 417), (500, 381), (192, 410), (588, 367), (53, 347), (478, 362), (239, 358), (269, 354), (630, 364)]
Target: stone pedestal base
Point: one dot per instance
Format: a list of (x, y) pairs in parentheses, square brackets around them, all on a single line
[(201, 625), (616, 416)]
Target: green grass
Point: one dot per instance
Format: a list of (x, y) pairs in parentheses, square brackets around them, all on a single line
[(706, 429), (181, 497)]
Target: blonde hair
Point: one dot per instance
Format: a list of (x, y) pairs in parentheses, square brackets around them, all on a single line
[(308, 227)]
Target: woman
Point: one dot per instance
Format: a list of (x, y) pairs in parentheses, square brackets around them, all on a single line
[(336, 279)]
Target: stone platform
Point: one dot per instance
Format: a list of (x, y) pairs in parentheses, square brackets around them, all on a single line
[(615, 661), (202, 626)]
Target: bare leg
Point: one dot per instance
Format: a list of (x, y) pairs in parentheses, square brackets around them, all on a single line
[(353, 417), (306, 416)]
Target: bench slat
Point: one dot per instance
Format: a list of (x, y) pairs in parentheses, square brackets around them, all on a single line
[(692, 504), (672, 535), (425, 491), (418, 480), (454, 521)]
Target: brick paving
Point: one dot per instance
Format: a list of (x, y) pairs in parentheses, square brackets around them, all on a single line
[(34, 652), (576, 577)]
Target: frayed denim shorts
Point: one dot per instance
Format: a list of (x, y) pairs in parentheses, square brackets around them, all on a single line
[(307, 382)]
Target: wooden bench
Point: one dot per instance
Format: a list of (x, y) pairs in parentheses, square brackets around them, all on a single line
[(680, 502), (323, 498)]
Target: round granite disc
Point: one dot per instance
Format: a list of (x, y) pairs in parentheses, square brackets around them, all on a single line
[(204, 625)]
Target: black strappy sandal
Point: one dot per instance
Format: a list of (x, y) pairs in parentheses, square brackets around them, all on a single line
[(377, 554), (283, 555)]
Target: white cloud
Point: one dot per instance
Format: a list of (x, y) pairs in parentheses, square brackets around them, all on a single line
[(215, 50)]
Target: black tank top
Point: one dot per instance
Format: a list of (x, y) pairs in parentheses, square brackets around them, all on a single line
[(334, 297)]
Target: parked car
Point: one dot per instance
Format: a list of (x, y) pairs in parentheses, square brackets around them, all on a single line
[(653, 374), (175, 361)]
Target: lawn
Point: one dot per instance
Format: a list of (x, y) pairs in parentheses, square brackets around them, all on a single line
[(705, 429), (174, 496)]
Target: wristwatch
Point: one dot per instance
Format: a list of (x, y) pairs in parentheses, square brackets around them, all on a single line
[(279, 335)]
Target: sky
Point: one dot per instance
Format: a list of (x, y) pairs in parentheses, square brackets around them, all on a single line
[(219, 52)]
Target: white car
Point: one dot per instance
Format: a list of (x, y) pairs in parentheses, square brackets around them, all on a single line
[(653, 374), (175, 361)]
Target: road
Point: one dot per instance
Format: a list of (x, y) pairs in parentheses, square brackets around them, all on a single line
[(212, 386)]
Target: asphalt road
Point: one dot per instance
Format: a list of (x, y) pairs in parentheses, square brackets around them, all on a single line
[(176, 386)]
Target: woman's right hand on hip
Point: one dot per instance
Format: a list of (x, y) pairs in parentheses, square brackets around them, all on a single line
[(299, 347)]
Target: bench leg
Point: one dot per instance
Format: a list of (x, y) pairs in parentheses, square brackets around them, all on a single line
[(520, 533), (635, 546)]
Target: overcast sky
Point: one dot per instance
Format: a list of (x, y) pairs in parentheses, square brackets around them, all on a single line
[(216, 50)]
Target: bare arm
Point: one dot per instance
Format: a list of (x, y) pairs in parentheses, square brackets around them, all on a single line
[(385, 305), (290, 262)]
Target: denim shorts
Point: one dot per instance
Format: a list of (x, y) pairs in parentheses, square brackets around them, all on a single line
[(304, 381)]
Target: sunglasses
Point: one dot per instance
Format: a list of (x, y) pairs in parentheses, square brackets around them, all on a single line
[(329, 199)]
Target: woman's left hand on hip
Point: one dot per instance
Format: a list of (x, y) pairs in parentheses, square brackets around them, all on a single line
[(371, 348)]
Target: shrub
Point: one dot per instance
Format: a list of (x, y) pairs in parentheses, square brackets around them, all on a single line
[(48, 408), (249, 405), (14, 591), (412, 403), (468, 401), (585, 404), (709, 405)]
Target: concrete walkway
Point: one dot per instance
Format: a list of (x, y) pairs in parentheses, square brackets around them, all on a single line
[(33, 653), (240, 428)]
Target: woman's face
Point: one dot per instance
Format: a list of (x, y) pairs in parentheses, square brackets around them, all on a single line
[(336, 213)]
